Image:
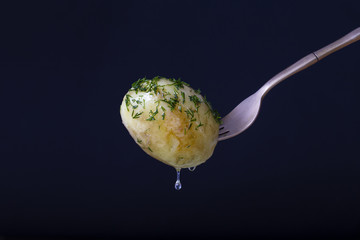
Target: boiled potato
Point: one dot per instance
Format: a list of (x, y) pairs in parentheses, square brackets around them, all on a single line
[(170, 121)]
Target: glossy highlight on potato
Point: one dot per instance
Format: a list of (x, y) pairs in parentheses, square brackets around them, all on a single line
[(170, 121)]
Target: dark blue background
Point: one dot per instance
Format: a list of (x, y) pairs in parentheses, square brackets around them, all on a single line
[(68, 167)]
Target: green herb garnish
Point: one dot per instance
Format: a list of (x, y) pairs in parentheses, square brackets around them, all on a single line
[(183, 96), (178, 83), (172, 102), (214, 113), (200, 125), (138, 85), (137, 115), (146, 85), (151, 86), (189, 112), (195, 100), (216, 116), (127, 101), (152, 115)]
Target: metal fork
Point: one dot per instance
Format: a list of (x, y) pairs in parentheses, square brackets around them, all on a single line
[(242, 116)]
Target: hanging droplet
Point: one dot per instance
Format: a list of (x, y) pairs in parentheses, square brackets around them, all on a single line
[(178, 183), (192, 168)]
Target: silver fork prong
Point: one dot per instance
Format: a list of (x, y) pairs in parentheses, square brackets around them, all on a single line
[(244, 114), (223, 131), (223, 134)]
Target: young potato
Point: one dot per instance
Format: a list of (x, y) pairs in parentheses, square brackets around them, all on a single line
[(170, 121)]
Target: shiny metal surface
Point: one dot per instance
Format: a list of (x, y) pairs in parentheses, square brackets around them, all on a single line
[(243, 115)]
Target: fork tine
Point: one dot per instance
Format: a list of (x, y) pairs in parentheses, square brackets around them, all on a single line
[(223, 131), (223, 135)]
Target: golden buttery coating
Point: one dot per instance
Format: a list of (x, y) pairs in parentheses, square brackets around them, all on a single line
[(170, 121)]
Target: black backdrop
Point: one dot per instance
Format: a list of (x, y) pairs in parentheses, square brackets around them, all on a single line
[(68, 167)]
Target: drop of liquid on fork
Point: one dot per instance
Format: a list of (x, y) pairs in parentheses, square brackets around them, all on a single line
[(178, 183), (192, 168)]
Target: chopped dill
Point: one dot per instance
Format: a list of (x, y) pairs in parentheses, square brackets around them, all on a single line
[(183, 96), (195, 100), (189, 112), (127, 101), (178, 83), (139, 85), (152, 115), (137, 115), (146, 85), (214, 113), (216, 116), (200, 125), (172, 102), (152, 87)]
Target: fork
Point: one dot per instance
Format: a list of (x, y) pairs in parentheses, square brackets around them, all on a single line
[(244, 114)]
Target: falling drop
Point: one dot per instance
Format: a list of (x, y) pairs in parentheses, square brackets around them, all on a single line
[(192, 168), (178, 183)]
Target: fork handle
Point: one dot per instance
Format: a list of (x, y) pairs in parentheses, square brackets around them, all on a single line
[(311, 59)]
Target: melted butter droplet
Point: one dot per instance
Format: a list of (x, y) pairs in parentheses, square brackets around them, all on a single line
[(178, 183), (192, 168)]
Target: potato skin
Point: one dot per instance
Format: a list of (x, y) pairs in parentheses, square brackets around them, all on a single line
[(170, 121)]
